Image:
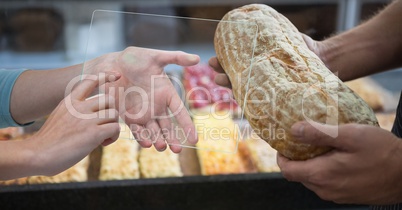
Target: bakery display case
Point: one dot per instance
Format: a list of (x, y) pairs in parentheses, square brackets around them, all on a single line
[(53, 34)]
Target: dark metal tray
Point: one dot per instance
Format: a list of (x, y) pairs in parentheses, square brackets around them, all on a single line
[(243, 191)]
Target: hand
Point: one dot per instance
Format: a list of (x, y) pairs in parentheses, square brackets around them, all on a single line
[(75, 128), (363, 167), (146, 95), (317, 47), (324, 49)]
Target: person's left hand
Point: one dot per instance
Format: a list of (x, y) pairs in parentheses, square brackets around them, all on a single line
[(144, 95), (364, 166)]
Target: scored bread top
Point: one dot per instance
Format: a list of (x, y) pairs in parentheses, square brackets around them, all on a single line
[(288, 82)]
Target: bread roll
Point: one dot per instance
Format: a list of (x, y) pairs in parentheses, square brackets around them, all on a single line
[(288, 82)]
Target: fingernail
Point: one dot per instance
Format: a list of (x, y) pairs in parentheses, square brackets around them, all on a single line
[(161, 149), (297, 130), (113, 76), (193, 57)]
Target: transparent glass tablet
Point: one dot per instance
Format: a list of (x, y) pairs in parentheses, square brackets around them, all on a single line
[(159, 97)]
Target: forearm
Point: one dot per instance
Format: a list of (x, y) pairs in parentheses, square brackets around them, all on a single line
[(372, 47), (37, 92), (16, 160)]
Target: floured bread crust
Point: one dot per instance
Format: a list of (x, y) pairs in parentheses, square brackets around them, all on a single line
[(288, 82)]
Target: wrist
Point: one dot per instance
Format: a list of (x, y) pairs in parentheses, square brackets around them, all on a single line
[(29, 158), (16, 159), (350, 55), (329, 50), (101, 64), (343, 55)]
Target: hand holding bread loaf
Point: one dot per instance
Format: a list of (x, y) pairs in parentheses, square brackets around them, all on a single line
[(278, 81)]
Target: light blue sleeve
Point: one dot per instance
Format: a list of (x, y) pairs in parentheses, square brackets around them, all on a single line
[(7, 81)]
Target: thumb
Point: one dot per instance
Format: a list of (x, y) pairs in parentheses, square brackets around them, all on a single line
[(311, 44), (317, 134)]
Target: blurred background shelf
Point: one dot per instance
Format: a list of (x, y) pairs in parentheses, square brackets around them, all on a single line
[(317, 18)]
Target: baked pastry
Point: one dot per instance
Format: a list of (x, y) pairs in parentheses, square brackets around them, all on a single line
[(120, 159), (217, 147), (262, 155), (280, 80), (155, 164), (386, 120), (19, 181), (246, 157), (370, 91), (9, 133)]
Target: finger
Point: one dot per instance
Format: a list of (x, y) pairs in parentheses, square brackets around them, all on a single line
[(141, 135), (170, 136), (294, 171), (110, 140), (101, 102), (311, 186), (176, 57), (223, 80), (156, 135), (311, 44), (107, 116), (325, 192), (317, 134), (108, 131), (107, 142), (214, 63), (90, 82), (183, 118)]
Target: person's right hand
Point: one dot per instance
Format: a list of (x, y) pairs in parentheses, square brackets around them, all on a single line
[(76, 127)]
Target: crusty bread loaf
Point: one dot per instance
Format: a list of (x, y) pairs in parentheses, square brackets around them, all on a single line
[(288, 82)]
